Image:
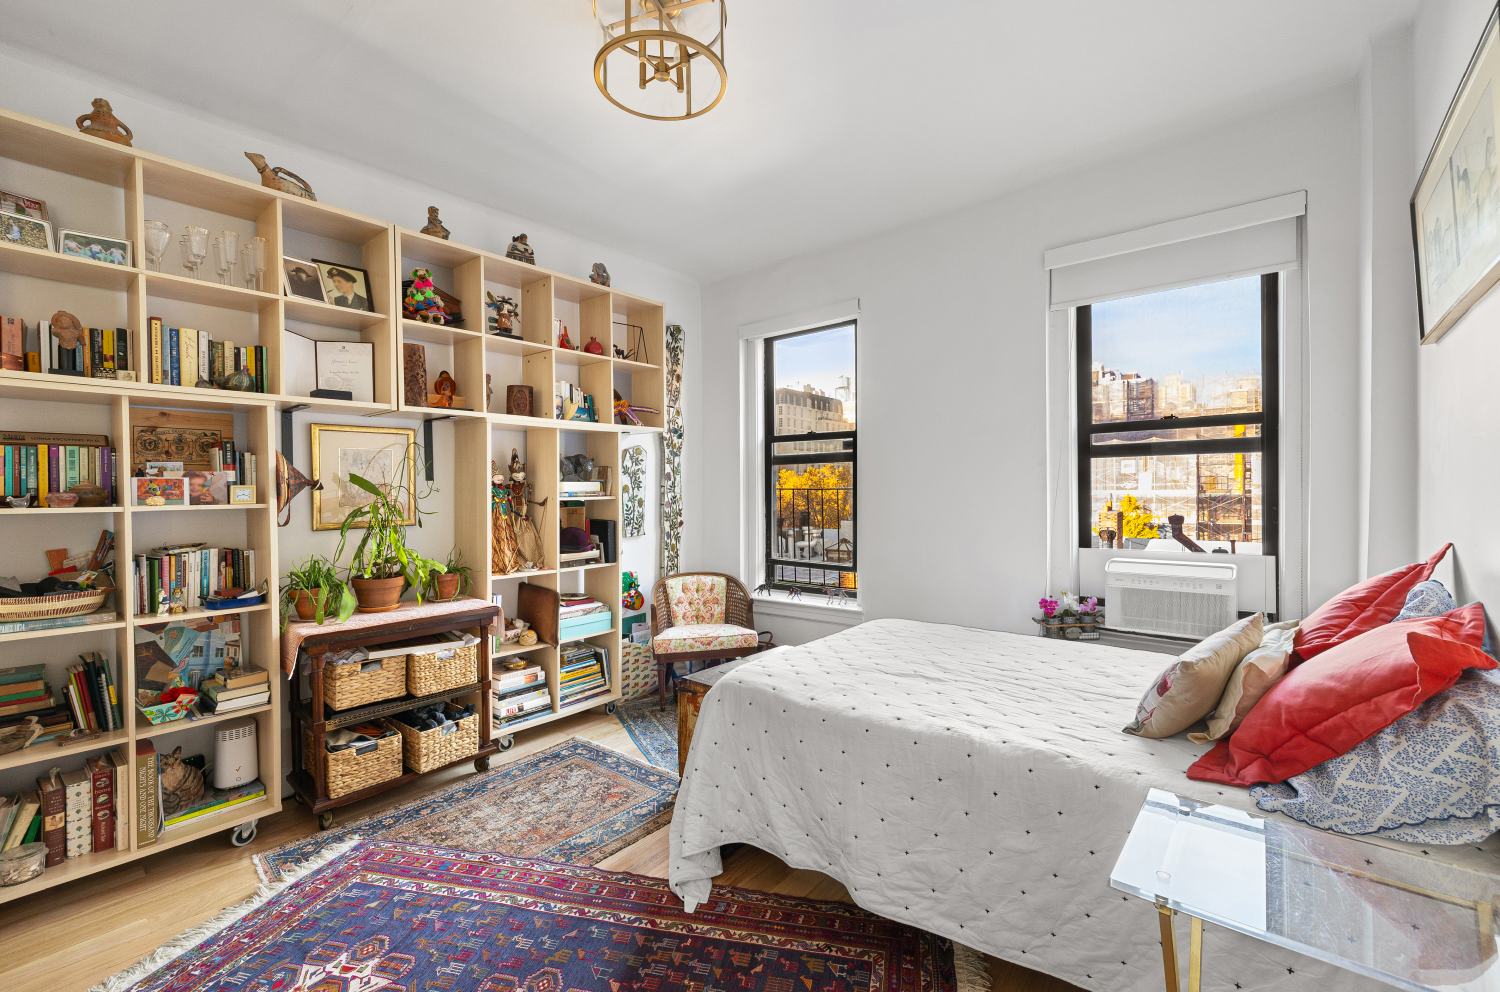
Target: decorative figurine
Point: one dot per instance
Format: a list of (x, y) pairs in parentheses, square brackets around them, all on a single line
[(434, 226), (422, 301), (102, 123), (489, 392), (505, 313), (600, 275), (445, 388), (239, 381), (518, 401), (279, 178), (619, 352), (67, 329), (631, 597), (625, 411), (563, 341), (594, 347), (520, 250), (414, 365)]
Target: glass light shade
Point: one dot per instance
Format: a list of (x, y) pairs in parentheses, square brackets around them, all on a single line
[(662, 59)]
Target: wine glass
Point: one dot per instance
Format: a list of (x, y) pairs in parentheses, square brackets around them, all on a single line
[(157, 236), (254, 257), (194, 248), (231, 254)]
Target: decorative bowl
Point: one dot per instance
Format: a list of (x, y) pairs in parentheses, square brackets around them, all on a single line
[(167, 712), (68, 604), (88, 494), (59, 501)]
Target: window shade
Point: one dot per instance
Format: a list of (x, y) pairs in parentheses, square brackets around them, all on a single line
[(1241, 241)]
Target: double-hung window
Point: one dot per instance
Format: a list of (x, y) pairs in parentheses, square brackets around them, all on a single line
[(809, 437)]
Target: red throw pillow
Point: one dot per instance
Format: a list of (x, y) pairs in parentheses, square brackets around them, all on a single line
[(1373, 603), (1326, 706)]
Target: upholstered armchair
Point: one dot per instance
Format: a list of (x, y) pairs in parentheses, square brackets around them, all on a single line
[(699, 616)]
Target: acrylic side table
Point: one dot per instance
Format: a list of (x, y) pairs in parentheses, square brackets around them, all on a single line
[(1410, 921)]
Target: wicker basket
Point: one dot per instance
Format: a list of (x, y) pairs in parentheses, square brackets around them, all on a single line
[(346, 686), (68, 604), (424, 750), (347, 772), (446, 666)]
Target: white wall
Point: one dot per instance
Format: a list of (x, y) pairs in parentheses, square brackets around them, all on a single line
[(953, 321), (1458, 417)]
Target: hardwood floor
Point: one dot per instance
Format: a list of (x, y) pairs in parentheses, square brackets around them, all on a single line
[(75, 935)]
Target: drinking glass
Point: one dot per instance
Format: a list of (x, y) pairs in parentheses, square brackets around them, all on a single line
[(194, 248), (231, 254), (254, 256), (157, 236)]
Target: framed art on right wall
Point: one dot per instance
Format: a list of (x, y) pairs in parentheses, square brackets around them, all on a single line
[(1455, 209)]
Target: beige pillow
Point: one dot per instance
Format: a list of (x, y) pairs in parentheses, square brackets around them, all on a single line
[(1190, 687), (1256, 674)]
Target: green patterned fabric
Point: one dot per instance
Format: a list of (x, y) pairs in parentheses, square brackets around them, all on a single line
[(671, 457)]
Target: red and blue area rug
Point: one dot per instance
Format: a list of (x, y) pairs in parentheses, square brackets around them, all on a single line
[(394, 917)]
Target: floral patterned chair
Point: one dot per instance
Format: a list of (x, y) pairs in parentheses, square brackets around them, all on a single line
[(699, 616)]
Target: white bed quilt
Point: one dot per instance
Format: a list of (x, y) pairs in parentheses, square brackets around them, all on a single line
[(970, 782)]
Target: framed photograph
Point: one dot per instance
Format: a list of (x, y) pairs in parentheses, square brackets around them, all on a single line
[(24, 206), (28, 232), (115, 251), (209, 488), (375, 453), (160, 492), (1455, 209), (299, 278), (347, 365), (345, 286)]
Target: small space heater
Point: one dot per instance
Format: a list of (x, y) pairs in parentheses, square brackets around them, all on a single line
[(1186, 599), (236, 760)]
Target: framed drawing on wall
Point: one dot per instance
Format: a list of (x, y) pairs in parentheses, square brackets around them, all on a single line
[(375, 453), (1455, 209)]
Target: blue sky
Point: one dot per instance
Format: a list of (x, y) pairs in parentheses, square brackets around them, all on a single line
[(1198, 331), (818, 359)]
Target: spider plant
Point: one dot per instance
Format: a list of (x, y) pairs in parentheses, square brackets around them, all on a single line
[(317, 577)]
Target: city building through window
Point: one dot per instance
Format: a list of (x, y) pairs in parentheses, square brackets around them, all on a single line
[(810, 460), (1177, 401)]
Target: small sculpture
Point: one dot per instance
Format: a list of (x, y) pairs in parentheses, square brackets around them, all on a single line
[(518, 401), (102, 123), (67, 329), (434, 226), (520, 250), (619, 352), (517, 467), (181, 783), (563, 340), (280, 179), (445, 388), (489, 392), (600, 276), (594, 347), (414, 373), (422, 301), (505, 312)]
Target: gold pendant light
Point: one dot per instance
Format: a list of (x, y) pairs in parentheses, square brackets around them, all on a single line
[(664, 38)]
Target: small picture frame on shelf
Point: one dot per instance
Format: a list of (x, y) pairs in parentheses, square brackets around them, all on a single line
[(208, 488), (299, 278), (159, 492), (25, 232), (346, 366), (22, 206), (241, 495), (114, 251), (345, 286)]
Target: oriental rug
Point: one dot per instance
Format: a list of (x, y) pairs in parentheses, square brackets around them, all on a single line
[(653, 729), (575, 802), (394, 917)]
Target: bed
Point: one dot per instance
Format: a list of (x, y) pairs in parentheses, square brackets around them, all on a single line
[(971, 782)]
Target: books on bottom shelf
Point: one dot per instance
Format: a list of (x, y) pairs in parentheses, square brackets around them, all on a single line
[(216, 800), (584, 673), (72, 812), (520, 701)]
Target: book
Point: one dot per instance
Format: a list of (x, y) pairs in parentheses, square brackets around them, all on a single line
[(101, 787), (21, 673), (217, 691), (235, 676), (23, 691), (7, 814), (172, 358), (243, 702), (154, 335), (27, 804), (189, 355), (516, 679), (214, 800), (119, 761), (41, 702), (147, 786), (79, 829), (54, 821), (17, 626)]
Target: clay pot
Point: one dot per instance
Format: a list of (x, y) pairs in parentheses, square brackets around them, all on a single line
[(378, 595), (447, 587), (60, 500), (306, 603), (88, 494)]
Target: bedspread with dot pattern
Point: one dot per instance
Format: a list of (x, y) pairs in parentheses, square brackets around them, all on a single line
[(971, 782)]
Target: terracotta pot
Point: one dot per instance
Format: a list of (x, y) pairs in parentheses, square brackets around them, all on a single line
[(378, 595), (306, 602), (88, 494), (59, 501), (447, 587)]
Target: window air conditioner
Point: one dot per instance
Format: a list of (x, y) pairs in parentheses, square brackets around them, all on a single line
[(1186, 599)]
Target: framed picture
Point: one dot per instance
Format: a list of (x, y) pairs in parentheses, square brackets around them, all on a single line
[(1455, 209), (160, 492), (29, 232), (115, 251), (347, 365), (24, 206), (375, 453), (300, 279), (345, 286), (209, 488)]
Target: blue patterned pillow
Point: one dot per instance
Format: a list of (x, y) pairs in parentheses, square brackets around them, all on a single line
[(1426, 599)]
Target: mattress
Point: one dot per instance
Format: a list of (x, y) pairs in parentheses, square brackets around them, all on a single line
[(971, 782)]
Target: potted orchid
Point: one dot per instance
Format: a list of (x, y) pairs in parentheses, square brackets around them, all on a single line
[(1050, 611)]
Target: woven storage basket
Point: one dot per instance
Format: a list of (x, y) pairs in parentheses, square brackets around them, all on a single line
[(424, 750), (68, 604), (345, 686), (442, 668), (348, 772)]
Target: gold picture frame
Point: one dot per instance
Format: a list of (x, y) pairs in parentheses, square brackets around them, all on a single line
[(373, 452)]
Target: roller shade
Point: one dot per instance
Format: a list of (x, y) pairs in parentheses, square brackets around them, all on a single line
[(1251, 239)]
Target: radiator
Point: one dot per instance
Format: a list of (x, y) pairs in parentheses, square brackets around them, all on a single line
[(1187, 599)]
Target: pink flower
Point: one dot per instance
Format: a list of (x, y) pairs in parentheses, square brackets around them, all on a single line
[(1049, 606), (1090, 605)]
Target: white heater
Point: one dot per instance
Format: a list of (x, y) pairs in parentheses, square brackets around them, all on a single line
[(236, 759), (1187, 599)]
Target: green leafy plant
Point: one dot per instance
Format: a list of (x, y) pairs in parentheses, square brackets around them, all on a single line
[(382, 552), (319, 577), (453, 566)]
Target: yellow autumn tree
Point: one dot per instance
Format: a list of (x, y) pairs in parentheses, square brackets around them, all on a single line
[(824, 492), (1137, 521)]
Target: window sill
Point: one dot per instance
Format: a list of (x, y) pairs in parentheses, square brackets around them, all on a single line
[(812, 606)]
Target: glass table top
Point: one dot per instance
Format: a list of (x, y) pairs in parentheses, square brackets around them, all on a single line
[(1402, 918)]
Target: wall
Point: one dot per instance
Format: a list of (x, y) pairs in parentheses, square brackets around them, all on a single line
[(1458, 405), (952, 360)]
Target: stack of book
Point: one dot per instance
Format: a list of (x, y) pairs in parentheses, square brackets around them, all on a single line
[(235, 688), (101, 352), (19, 823), (92, 696), (197, 570), (39, 463), (571, 607), (181, 356), (585, 673), (519, 695), (23, 692), (215, 800)]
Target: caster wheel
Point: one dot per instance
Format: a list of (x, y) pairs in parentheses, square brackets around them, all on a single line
[(242, 834), (482, 764), (325, 821), (507, 742), (609, 708)]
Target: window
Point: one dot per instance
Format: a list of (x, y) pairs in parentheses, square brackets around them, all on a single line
[(810, 459), (1177, 419)]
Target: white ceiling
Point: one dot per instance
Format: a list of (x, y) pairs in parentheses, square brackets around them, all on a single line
[(841, 119)]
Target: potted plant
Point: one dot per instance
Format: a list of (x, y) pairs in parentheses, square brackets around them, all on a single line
[(315, 591), (382, 566), (453, 581)]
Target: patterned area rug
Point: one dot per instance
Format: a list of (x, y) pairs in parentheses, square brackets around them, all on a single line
[(574, 802), (396, 917), (654, 730)]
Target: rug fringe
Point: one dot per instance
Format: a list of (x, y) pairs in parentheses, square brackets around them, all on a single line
[(191, 938), (970, 969)]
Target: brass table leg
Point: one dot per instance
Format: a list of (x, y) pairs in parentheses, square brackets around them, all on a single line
[(1195, 955), (1168, 946)]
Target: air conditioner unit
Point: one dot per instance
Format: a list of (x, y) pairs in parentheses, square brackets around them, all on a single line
[(1187, 599)]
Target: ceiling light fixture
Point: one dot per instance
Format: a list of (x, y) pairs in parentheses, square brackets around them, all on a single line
[(664, 38)]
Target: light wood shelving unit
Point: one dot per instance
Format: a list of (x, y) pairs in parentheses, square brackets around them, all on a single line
[(148, 185)]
